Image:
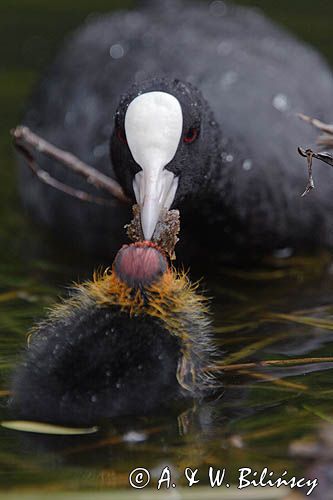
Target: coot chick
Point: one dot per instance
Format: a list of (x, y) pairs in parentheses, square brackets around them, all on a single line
[(127, 342), (205, 123)]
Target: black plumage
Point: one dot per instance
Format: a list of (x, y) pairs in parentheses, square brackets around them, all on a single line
[(94, 365), (252, 77), (113, 348)]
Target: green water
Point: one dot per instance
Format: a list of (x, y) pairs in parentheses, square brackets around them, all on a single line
[(280, 311)]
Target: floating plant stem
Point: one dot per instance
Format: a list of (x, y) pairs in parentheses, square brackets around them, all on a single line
[(270, 362), (43, 428), (276, 381), (302, 320)]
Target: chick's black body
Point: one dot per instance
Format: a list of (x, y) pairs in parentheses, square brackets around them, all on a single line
[(126, 343), (252, 77), (97, 363)]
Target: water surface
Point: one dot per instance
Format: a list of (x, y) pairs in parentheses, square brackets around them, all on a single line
[(279, 311)]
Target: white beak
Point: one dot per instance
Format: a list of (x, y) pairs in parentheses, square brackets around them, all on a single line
[(153, 127)]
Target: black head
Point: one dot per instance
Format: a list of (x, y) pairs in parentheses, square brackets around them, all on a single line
[(163, 145)]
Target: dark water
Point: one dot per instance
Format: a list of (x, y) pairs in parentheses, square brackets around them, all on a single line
[(280, 311)]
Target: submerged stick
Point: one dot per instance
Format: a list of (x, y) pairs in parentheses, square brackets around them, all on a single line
[(24, 138)]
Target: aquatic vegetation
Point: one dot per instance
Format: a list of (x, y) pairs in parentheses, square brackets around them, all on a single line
[(281, 312)]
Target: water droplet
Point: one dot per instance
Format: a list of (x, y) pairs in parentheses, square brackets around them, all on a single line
[(134, 437), (101, 150), (229, 79), (140, 76), (148, 39), (224, 48), (268, 43), (247, 164), (218, 8), (283, 253), (93, 398), (107, 130), (229, 158), (117, 51), (134, 20), (280, 102), (69, 118)]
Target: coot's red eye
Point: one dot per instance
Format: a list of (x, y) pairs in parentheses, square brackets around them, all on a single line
[(191, 135), (121, 135)]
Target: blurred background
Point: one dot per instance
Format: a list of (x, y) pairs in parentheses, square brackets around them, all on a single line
[(259, 423)]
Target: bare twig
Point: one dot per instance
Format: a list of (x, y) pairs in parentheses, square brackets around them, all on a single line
[(324, 127), (324, 140), (325, 157), (308, 153), (23, 138), (51, 181)]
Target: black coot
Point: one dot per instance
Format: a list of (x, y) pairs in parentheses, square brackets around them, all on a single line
[(206, 96)]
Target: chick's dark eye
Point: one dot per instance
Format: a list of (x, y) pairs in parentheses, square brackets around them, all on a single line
[(191, 135), (120, 133)]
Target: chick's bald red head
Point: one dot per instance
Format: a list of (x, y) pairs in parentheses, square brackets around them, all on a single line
[(140, 264)]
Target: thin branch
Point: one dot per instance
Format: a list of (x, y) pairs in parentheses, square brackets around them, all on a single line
[(325, 157), (308, 153), (324, 127), (24, 137), (326, 141), (60, 186)]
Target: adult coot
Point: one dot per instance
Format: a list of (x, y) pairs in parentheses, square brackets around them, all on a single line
[(204, 97), (125, 343)]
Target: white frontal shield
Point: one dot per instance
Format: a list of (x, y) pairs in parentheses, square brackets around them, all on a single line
[(153, 127)]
